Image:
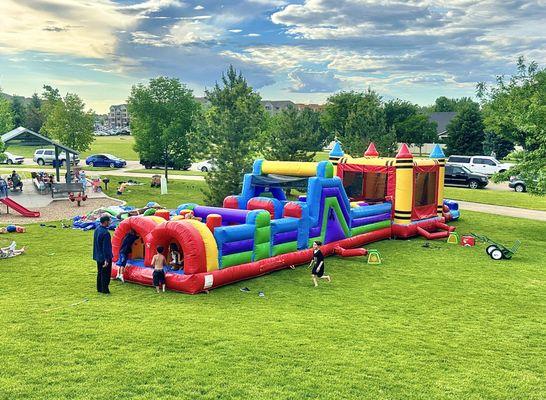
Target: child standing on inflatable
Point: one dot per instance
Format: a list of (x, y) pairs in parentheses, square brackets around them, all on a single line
[(159, 261), (318, 264), (124, 251)]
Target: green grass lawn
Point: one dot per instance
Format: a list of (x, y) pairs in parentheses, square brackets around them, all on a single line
[(179, 192), (444, 322), (510, 199), (121, 146)]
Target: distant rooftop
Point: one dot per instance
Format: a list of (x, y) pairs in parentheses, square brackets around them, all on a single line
[(442, 119)]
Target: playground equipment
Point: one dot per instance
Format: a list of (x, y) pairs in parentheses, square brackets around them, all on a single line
[(77, 197), (496, 250), (10, 203), (349, 202)]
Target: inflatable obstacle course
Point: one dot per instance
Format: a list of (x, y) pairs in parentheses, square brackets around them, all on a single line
[(349, 202)]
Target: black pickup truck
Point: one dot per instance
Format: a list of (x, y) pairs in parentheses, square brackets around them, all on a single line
[(462, 176)]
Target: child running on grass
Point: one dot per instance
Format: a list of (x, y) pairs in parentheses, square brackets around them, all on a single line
[(124, 251), (159, 261), (318, 264)]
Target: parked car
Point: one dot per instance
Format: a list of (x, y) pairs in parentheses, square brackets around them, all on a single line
[(149, 164), (462, 176), (105, 160), (479, 164), (204, 166), (517, 184), (47, 156), (12, 158)]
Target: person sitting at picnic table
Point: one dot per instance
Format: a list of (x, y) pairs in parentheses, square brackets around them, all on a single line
[(16, 181)]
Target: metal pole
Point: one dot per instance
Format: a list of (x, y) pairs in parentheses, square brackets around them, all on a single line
[(57, 164), (68, 177)]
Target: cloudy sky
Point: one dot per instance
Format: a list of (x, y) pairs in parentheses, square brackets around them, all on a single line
[(299, 50)]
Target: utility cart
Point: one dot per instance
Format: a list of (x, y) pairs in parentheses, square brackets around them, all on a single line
[(496, 250)]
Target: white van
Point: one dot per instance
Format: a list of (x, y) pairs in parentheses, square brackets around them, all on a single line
[(479, 164)]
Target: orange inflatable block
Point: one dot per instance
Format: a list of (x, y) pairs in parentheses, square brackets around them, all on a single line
[(165, 214)]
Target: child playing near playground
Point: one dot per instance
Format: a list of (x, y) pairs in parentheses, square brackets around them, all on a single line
[(176, 259), (318, 264), (158, 262), (11, 251), (124, 251)]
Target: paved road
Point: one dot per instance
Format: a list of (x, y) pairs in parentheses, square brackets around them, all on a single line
[(503, 187), (131, 165), (502, 210)]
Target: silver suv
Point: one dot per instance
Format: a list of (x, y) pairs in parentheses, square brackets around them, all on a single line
[(479, 164), (47, 156)]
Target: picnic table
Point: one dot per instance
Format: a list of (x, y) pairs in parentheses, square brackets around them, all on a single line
[(65, 188)]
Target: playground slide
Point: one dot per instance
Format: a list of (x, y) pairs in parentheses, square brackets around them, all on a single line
[(19, 208)]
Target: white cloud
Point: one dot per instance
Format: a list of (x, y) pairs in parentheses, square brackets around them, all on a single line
[(253, 35), (290, 57), (198, 7), (304, 81), (195, 18), (85, 29), (273, 3), (193, 32), (235, 30), (151, 6), (149, 39)]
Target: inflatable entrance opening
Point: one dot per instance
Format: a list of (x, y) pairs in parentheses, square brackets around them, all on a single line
[(194, 240)]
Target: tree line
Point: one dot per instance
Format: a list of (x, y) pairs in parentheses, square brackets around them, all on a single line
[(233, 128), (62, 118)]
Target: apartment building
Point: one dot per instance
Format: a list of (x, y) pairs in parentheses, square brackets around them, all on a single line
[(118, 117)]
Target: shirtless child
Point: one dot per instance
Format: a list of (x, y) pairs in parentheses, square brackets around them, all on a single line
[(158, 262)]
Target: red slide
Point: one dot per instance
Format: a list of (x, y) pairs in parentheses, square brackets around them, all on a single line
[(19, 208)]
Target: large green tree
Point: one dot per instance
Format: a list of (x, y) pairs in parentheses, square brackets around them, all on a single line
[(494, 144), (33, 114), (295, 135), (516, 110), (18, 111), (6, 116), (163, 115), (234, 122), (50, 98), (417, 130), (397, 110), (357, 119), (69, 123), (444, 104), (465, 131), (409, 123)]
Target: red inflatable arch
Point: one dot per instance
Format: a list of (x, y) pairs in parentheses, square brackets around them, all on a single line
[(188, 239), (142, 226)]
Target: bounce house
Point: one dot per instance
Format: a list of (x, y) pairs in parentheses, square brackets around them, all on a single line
[(348, 202)]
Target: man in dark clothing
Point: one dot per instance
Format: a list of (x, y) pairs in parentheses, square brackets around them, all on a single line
[(102, 254)]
